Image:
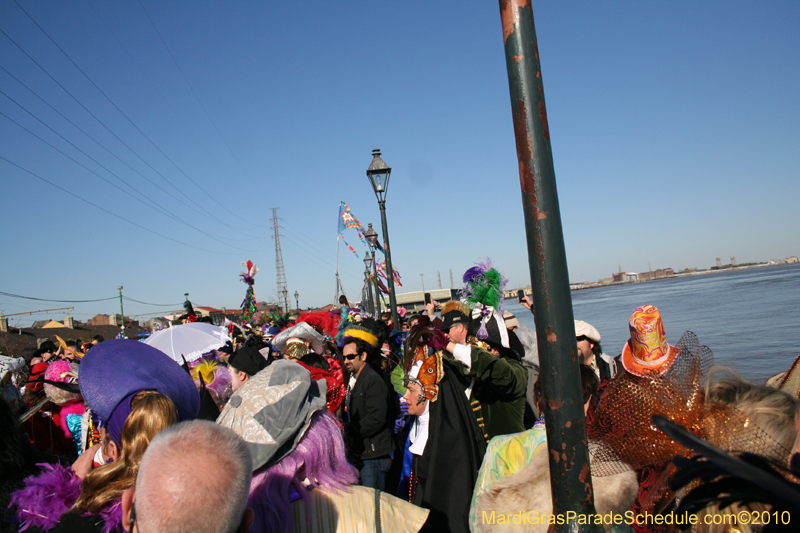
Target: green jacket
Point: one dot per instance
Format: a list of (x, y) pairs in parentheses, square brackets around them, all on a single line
[(500, 385)]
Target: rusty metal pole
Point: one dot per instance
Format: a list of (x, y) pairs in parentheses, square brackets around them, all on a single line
[(570, 477)]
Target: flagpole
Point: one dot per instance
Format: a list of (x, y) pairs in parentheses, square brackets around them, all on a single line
[(338, 236), (336, 296)]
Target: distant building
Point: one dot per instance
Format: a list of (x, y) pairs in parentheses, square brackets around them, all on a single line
[(205, 311), (630, 276), (657, 274), (414, 301), (619, 276), (54, 325)]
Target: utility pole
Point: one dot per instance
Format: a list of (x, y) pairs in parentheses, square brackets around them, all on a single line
[(451, 278), (280, 275), (423, 281), (439, 278), (121, 311)]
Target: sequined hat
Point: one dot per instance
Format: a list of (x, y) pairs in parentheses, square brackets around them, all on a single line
[(273, 409), (647, 353)]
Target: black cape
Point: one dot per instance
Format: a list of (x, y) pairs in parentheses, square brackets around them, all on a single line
[(444, 476)]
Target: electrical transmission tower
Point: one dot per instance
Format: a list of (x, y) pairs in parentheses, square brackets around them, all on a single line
[(280, 274)]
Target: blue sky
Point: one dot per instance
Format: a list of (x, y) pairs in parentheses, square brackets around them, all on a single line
[(675, 131)]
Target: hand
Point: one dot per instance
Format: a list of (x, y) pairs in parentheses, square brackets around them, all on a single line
[(439, 340), (399, 424), (83, 464), (430, 310), (526, 302), (403, 406)]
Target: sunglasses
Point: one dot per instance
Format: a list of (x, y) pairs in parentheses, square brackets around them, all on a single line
[(351, 356)]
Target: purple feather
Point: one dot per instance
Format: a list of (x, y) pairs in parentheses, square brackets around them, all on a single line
[(472, 273), (112, 517), (484, 264), (46, 497)]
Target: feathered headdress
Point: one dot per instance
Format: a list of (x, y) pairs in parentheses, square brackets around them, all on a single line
[(454, 305), (483, 291), (249, 276), (325, 323), (249, 303), (368, 330), (67, 349), (421, 366), (214, 375)]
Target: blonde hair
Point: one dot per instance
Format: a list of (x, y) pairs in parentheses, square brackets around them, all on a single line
[(774, 412), (150, 413)]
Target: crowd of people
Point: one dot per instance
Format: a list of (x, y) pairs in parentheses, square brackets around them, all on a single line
[(339, 421)]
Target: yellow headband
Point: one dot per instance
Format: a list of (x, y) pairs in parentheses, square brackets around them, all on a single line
[(366, 336)]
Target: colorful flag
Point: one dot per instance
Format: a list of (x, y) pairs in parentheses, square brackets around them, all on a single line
[(347, 220), (382, 273)]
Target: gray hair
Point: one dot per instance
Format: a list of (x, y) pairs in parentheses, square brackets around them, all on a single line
[(187, 467)]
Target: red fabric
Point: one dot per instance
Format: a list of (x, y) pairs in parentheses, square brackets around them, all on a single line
[(336, 391), (37, 373), (44, 433)]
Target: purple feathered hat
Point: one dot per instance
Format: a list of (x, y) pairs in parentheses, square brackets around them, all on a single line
[(113, 371)]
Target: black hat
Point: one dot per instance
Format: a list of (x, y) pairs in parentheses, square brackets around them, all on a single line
[(248, 360), (451, 318)]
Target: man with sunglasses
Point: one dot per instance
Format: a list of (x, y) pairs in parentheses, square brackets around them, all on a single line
[(369, 412)]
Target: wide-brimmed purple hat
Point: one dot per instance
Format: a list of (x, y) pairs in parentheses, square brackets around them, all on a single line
[(116, 369)]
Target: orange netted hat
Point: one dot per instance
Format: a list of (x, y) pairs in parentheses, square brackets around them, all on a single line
[(647, 353)]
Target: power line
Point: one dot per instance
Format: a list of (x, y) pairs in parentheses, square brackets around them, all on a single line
[(146, 303), (107, 211), (191, 87), (57, 301), (157, 207), (86, 301), (98, 143), (204, 211), (120, 110)]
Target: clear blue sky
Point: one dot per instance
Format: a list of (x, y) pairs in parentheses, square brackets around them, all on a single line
[(675, 129)]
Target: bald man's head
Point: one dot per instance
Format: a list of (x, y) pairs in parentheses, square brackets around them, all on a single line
[(194, 477)]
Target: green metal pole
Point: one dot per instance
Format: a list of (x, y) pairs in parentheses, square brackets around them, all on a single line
[(368, 293), (570, 477), (389, 271), (121, 310), (377, 287)]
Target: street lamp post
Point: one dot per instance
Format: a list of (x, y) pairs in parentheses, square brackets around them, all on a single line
[(378, 174), (121, 311), (372, 239), (370, 301), (285, 300), (296, 300)]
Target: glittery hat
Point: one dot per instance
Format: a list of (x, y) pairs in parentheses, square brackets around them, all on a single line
[(647, 353)]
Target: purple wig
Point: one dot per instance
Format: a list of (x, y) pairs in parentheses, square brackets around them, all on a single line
[(320, 457)]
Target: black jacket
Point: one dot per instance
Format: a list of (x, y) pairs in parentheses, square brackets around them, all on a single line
[(371, 416)]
